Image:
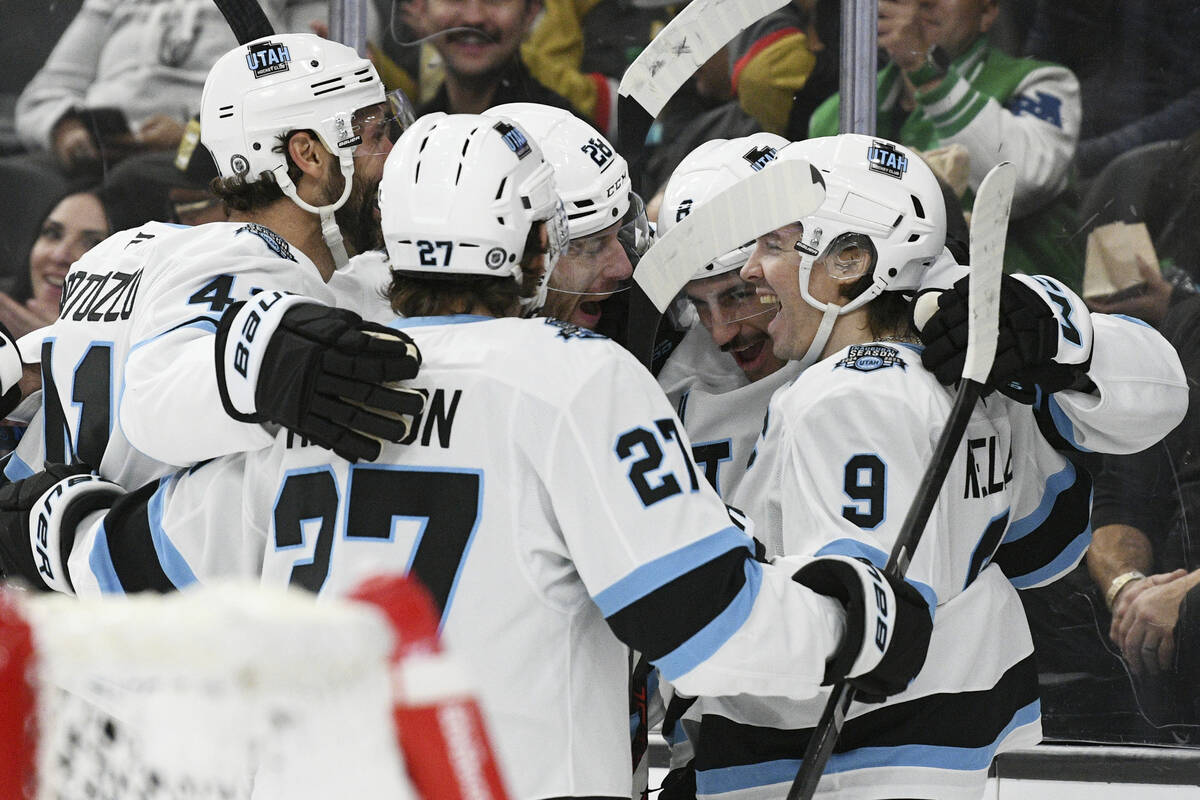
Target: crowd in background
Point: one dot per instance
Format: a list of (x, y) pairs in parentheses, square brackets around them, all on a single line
[(1098, 103)]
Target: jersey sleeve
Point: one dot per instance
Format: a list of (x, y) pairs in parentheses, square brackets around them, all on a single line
[(1141, 395), (168, 534), (170, 408), (652, 542), (1036, 129)]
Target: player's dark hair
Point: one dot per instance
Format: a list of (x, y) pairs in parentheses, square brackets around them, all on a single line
[(888, 314), (239, 195), (419, 294)]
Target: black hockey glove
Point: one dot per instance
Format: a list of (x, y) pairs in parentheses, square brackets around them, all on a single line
[(38, 517), (888, 625), (321, 372), (11, 370), (1045, 337)]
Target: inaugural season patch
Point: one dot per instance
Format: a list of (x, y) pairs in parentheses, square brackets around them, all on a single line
[(870, 357), (884, 157), (272, 239)]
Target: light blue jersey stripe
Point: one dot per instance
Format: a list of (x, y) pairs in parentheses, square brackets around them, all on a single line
[(712, 636)]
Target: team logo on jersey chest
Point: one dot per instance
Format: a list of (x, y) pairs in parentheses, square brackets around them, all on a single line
[(883, 157), (870, 357), (267, 58)]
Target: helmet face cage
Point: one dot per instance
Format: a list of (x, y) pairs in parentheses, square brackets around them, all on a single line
[(882, 203), (262, 90), (460, 194), (591, 176)]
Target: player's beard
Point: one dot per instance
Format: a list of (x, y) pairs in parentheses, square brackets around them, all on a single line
[(356, 218)]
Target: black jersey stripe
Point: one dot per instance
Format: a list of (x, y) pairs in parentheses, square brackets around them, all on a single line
[(131, 543), (957, 719), (1068, 518), (662, 620)]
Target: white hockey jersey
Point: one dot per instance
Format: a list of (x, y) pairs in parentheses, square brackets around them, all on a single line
[(547, 499), (845, 449), (128, 379)]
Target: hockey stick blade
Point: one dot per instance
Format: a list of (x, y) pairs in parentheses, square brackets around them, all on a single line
[(989, 228), (784, 192), (692, 37), (246, 19)]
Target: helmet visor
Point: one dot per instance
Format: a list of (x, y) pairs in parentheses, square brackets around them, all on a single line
[(635, 233), (377, 127)]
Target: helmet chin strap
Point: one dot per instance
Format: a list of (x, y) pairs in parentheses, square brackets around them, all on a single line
[(330, 232), (824, 331)]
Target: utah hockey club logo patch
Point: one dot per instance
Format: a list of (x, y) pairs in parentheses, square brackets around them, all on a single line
[(870, 357), (884, 158), (514, 138), (267, 58), (759, 157)]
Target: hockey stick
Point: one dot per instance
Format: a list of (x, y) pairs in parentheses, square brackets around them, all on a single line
[(246, 19), (784, 192), (989, 227), (694, 36)]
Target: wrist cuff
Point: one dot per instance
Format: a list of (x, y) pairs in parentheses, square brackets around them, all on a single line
[(242, 338), (52, 522)]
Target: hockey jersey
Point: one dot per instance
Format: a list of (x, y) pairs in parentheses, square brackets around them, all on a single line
[(547, 499), (128, 379), (846, 447)]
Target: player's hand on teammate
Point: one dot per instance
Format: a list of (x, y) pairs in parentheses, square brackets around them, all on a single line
[(888, 624), (38, 515), (1044, 340), (321, 372)]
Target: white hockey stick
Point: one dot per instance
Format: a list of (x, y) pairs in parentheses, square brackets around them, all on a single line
[(691, 38), (784, 192), (989, 228)]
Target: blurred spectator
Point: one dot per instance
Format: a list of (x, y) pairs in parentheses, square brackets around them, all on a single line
[(945, 84), (26, 39), (125, 77), (77, 223), (1138, 72), (581, 48), (479, 43), (1143, 558)]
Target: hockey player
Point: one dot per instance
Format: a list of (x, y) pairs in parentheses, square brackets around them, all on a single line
[(724, 370), (604, 215), (853, 435), (299, 128), (546, 498)]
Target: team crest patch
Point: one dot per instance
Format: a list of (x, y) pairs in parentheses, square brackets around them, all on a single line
[(759, 157), (870, 357), (272, 239), (884, 157), (569, 330), (514, 138), (267, 58)]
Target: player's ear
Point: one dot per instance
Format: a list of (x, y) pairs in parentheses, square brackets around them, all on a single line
[(307, 153)]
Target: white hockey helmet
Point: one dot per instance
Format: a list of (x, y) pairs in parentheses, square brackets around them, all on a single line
[(884, 215), (460, 194), (592, 177), (707, 171), (880, 195), (271, 86)]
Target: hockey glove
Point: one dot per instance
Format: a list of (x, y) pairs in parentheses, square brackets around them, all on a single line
[(11, 370), (318, 371), (1045, 337), (38, 517), (888, 625)]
